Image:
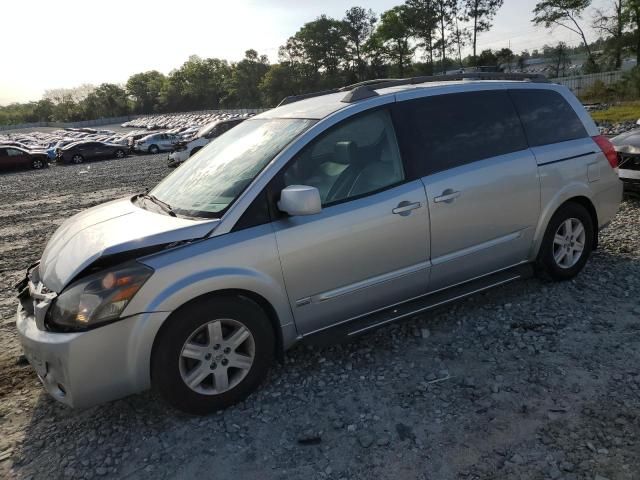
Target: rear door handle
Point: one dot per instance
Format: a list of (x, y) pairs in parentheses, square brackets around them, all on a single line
[(404, 208), (447, 196)]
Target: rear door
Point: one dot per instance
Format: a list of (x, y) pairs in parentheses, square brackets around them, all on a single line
[(18, 158), (480, 177), (368, 247), (5, 161)]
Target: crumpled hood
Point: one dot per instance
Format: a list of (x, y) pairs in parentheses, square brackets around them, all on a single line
[(107, 229), (627, 142)]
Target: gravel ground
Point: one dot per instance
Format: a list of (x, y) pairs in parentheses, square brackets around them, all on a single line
[(532, 381)]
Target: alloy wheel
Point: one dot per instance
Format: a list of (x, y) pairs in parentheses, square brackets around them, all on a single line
[(77, 159), (37, 164), (217, 356), (569, 242)]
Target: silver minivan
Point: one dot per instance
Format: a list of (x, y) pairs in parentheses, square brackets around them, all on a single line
[(321, 219)]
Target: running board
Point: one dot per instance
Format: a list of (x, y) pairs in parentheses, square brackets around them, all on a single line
[(364, 324)]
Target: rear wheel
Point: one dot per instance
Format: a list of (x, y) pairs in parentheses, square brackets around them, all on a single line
[(77, 159), (214, 352), (567, 243), (153, 149), (37, 163)]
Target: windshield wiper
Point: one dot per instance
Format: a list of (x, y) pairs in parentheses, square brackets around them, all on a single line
[(163, 205)]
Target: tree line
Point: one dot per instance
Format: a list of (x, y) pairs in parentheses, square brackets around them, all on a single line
[(418, 37)]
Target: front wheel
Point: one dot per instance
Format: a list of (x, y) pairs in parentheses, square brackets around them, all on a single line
[(567, 243), (37, 164), (120, 153), (212, 354), (153, 149), (77, 159)]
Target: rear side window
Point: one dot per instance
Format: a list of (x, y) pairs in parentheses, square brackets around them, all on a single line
[(547, 117), (445, 131)]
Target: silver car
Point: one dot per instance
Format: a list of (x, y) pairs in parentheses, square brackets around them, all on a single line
[(321, 219), (156, 142)]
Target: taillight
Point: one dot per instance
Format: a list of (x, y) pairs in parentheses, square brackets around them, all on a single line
[(607, 148)]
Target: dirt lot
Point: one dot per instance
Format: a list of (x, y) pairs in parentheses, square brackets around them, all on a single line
[(531, 381)]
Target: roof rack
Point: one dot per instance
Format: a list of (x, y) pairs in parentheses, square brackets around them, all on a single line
[(367, 89)]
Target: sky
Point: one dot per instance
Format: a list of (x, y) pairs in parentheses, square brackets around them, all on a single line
[(65, 43)]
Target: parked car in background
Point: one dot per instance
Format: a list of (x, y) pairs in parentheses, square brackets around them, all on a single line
[(185, 149), (13, 158), (627, 146), (82, 151), (325, 218), (156, 142), (52, 152)]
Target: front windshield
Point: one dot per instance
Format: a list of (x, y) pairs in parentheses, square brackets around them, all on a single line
[(211, 180)]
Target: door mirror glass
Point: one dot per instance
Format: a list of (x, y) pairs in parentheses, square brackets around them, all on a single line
[(300, 200)]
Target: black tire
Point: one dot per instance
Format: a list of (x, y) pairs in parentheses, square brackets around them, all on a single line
[(38, 164), (166, 355), (77, 159), (546, 262), (120, 153), (194, 151), (153, 149)]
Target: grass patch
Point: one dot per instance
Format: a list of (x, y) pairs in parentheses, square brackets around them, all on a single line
[(618, 113)]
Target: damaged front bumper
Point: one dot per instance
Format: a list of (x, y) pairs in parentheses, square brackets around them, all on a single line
[(82, 369)]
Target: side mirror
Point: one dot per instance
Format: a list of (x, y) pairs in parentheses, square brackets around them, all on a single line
[(300, 200)]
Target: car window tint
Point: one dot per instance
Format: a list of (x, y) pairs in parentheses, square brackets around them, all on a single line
[(12, 152), (446, 131), (547, 117), (3, 152), (354, 158)]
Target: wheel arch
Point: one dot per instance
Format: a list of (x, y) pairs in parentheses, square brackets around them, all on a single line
[(582, 198), (256, 298)]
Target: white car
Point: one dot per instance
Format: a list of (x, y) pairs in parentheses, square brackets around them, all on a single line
[(183, 150)]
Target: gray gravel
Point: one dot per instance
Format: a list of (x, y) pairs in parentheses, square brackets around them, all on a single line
[(531, 381)]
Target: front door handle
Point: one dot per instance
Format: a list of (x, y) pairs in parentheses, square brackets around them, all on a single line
[(447, 196), (404, 208)]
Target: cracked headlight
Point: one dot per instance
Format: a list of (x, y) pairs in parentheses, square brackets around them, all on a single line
[(98, 298)]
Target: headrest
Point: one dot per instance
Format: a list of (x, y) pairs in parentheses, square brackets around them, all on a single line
[(344, 152)]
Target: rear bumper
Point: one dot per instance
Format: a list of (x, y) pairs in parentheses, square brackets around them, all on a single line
[(82, 369), (607, 203), (630, 179)]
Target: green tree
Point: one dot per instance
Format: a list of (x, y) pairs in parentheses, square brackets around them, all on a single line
[(480, 13), (445, 11), (612, 23), (146, 88), (243, 84), (198, 84), (565, 13), (631, 15), (358, 24), (108, 100), (423, 22), (487, 58), (279, 82), (394, 33), (505, 57)]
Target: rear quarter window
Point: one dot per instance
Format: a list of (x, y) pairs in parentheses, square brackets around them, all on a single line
[(547, 117), (446, 131)]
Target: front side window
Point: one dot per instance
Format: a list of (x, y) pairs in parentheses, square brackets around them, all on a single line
[(356, 157), (547, 117), (13, 152), (446, 131), (210, 181)]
